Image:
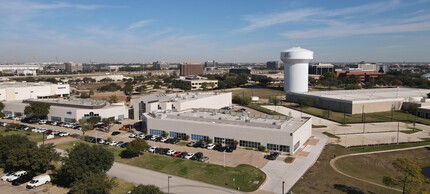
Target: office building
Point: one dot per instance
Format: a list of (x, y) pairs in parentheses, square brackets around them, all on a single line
[(198, 82), (321, 68), (161, 65), (191, 69), (12, 91), (273, 65), (73, 67)]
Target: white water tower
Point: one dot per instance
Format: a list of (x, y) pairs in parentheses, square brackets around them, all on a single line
[(296, 69)]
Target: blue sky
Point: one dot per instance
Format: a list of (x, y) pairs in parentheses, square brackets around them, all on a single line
[(225, 31)]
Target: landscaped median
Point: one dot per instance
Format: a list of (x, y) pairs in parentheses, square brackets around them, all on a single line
[(244, 177)]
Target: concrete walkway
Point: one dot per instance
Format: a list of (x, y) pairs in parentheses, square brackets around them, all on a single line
[(333, 165)]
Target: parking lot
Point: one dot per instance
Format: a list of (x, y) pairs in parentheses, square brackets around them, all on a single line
[(239, 156), (6, 187)]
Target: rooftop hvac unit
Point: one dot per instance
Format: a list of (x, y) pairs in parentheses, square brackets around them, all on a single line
[(202, 117), (274, 123), (219, 118), (248, 120)]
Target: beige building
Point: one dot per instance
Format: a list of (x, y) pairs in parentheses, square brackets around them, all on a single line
[(73, 67), (198, 82), (191, 69)]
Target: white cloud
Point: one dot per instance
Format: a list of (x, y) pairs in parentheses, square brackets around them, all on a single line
[(139, 24), (37, 6)]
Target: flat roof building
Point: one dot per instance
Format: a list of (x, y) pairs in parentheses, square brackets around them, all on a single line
[(72, 110), (191, 69), (276, 133), (73, 67), (355, 101), (12, 91), (179, 102), (198, 82)]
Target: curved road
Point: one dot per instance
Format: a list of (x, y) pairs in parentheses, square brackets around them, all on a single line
[(332, 164)]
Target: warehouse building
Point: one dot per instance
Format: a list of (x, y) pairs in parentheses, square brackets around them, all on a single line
[(72, 110), (179, 102), (13, 91), (364, 100), (276, 133)]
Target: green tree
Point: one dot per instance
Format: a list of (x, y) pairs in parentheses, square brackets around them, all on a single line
[(85, 126), (32, 158), (245, 100), (274, 100), (37, 109), (83, 159), (113, 99), (1, 106), (146, 189), (93, 183), (128, 88), (135, 148), (205, 86), (93, 120), (411, 179)]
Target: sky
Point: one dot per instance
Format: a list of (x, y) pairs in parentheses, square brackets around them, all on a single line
[(223, 30)]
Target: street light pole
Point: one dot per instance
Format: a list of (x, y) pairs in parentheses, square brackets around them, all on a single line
[(283, 183), (168, 184), (398, 131)]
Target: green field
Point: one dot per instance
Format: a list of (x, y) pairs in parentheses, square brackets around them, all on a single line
[(122, 187), (260, 92), (262, 109), (388, 146), (36, 137), (247, 178), (379, 165), (357, 118)]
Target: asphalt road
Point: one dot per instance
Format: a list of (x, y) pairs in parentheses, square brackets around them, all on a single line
[(177, 184)]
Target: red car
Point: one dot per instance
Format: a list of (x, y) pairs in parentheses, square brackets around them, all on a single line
[(176, 154)]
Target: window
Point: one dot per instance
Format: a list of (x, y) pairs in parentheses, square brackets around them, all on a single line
[(121, 116), (142, 108), (55, 118), (69, 120), (275, 147), (199, 137), (296, 145), (177, 135), (155, 132), (249, 144), (222, 140), (69, 113), (159, 107)]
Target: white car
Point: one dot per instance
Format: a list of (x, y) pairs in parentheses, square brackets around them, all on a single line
[(101, 141), (164, 139), (38, 180), (7, 176), (189, 155), (154, 137), (15, 175), (63, 134), (3, 124), (17, 118), (132, 135), (42, 121), (141, 136), (170, 152), (152, 149), (113, 143), (210, 146), (53, 123)]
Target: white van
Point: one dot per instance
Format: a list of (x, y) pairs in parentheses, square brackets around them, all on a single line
[(38, 180), (16, 175)]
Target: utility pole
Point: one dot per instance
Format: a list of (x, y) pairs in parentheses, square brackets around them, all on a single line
[(168, 184), (363, 119), (283, 183), (398, 131)]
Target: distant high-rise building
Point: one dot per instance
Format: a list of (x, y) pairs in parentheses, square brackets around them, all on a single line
[(161, 65), (275, 65), (210, 63), (191, 69), (73, 67), (321, 68)]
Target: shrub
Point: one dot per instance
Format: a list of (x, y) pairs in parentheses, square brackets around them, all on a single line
[(261, 148), (388, 180)]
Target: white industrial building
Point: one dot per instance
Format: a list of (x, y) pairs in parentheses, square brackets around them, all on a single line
[(179, 102), (196, 82), (111, 77), (72, 110), (277, 133), (13, 91)]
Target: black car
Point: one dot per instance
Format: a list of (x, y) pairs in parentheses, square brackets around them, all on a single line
[(229, 149), (173, 141), (272, 156), (124, 145), (197, 156), (147, 137), (219, 148), (23, 179), (159, 150), (116, 133), (183, 154)]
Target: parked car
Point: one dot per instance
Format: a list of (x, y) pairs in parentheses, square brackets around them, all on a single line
[(189, 155), (38, 180), (42, 121), (119, 144), (147, 137), (115, 133), (271, 156), (113, 143), (16, 175), (210, 146), (152, 149), (124, 145), (3, 124), (63, 134), (203, 159), (183, 154), (154, 137), (176, 154), (197, 156), (132, 135), (22, 179), (191, 144), (7, 176), (141, 136), (164, 139), (170, 152), (229, 149)]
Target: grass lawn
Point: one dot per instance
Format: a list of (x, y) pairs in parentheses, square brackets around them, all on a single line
[(411, 130), (289, 159), (321, 178), (388, 146), (182, 143), (247, 178), (379, 165), (357, 118), (122, 187), (319, 126), (36, 137), (260, 92)]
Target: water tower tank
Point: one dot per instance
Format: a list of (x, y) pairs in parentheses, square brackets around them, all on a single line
[(296, 69)]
